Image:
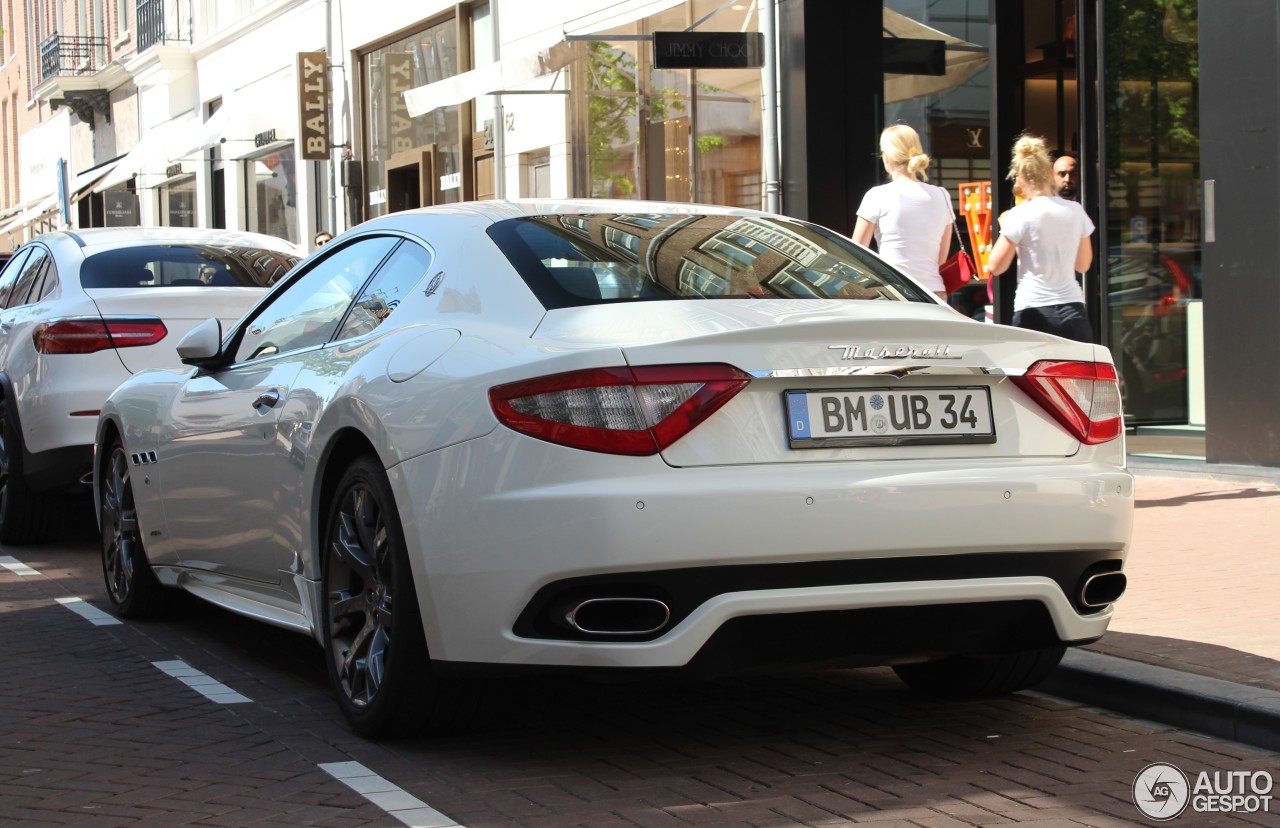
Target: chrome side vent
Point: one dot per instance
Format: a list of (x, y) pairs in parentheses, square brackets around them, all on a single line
[(145, 458)]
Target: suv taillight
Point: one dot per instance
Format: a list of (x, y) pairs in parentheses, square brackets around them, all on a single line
[(624, 410), (85, 336), (1083, 396)]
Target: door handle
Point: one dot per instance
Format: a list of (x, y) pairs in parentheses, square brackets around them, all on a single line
[(266, 400)]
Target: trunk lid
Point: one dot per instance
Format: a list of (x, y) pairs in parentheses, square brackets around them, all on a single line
[(180, 308), (905, 362)]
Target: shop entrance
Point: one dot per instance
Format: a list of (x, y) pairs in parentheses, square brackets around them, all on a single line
[(410, 178)]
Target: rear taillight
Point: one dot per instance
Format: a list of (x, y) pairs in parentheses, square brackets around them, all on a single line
[(85, 336), (1083, 396), (617, 410)]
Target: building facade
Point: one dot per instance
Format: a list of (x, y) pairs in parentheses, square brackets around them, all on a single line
[(220, 113)]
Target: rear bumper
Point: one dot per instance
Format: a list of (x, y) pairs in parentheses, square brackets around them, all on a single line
[(490, 540), (58, 470)]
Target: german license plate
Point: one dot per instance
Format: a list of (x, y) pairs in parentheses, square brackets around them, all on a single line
[(888, 417)]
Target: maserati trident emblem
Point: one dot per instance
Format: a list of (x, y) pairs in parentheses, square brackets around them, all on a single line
[(894, 351)]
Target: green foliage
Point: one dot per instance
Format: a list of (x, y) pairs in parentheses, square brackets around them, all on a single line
[(1150, 56), (613, 106), (707, 143)]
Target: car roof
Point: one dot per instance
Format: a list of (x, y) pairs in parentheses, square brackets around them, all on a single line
[(498, 210), (106, 237)]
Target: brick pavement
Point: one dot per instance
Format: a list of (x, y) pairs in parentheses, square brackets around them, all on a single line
[(91, 734), (1203, 573)]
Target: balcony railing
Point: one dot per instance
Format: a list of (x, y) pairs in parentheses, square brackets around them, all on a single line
[(66, 55), (156, 26)]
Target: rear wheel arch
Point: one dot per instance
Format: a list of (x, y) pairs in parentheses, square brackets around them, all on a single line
[(343, 450), (383, 680)]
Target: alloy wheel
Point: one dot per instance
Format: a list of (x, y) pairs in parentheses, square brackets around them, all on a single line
[(120, 542), (360, 595)]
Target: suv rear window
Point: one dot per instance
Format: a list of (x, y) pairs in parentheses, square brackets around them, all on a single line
[(590, 259), (184, 265)]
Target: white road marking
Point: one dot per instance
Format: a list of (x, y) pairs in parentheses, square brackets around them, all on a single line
[(207, 686), (16, 566), (395, 801), (88, 612)]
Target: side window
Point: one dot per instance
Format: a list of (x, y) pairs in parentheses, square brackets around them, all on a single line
[(10, 275), (393, 281), (307, 312), (47, 283), (31, 273)]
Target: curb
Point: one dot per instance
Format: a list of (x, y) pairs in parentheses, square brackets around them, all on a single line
[(1238, 712), (1155, 466)]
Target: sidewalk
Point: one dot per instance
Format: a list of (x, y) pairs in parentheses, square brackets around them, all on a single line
[(1195, 641)]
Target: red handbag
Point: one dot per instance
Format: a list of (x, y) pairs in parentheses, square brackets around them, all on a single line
[(958, 270)]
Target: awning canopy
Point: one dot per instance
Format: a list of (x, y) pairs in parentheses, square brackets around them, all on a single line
[(533, 57), (150, 155), (199, 137), (550, 51), (245, 114), (963, 60), (81, 184), (30, 214)]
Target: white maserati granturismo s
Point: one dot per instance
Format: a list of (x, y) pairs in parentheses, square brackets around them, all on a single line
[(620, 437)]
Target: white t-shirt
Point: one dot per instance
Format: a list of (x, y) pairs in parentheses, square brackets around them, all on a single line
[(1046, 232), (910, 217)]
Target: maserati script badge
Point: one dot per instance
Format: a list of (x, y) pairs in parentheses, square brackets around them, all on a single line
[(894, 351)]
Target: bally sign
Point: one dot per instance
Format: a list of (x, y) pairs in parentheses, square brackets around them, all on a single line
[(397, 73), (313, 105)]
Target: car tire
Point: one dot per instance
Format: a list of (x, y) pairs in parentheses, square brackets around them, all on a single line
[(375, 646), (25, 517), (960, 677), (131, 585)]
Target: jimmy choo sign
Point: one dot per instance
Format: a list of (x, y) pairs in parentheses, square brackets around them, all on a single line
[(313, 105)]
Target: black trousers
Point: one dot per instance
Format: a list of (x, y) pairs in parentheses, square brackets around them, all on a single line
[(1070, 321)]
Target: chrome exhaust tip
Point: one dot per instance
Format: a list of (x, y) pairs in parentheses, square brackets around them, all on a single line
[(1102, 589), (619, 616)]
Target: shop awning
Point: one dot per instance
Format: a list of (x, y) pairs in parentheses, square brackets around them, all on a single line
[(962, 61), (532, 57), (202, 136), (246, 113), (149, 156), (30, 214), (83, 182)]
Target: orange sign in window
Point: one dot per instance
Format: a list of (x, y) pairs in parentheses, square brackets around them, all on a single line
[(975, 206)]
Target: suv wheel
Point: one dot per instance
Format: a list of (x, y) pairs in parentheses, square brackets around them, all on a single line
[(24, 517)]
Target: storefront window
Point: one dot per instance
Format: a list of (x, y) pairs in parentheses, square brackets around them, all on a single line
[(951, 111), (271, 194), (178, 203), (1152, 134), (613, 126), (410, 162), (673, 134)]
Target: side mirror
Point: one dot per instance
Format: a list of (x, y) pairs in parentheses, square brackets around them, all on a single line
[(202, 344)]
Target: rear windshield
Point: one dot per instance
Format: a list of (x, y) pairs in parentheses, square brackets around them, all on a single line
[(591, 259), (184, 265)]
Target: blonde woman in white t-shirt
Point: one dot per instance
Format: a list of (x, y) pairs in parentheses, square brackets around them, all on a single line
[(910, 220), (1050, 237)]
